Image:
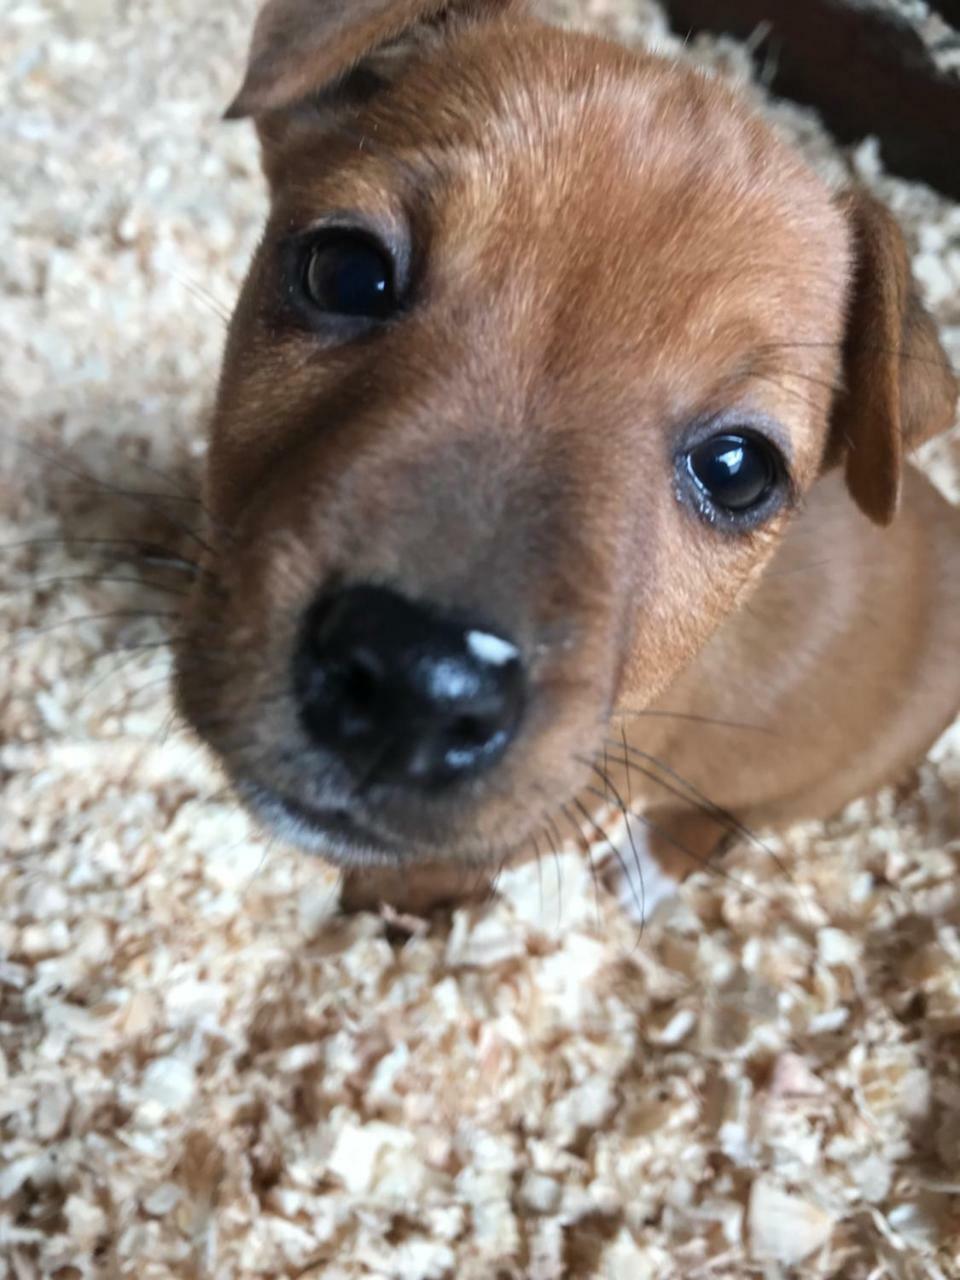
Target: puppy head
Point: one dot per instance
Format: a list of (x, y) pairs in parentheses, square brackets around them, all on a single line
[(536, 359)]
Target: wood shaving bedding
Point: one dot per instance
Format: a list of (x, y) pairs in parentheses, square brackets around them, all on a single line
[(204, 1071)]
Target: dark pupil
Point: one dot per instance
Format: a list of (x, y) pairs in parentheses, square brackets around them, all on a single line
[(735, 471), (349, 278)]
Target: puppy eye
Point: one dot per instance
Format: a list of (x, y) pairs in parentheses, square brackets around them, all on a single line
[(735, 473), (350, 275)]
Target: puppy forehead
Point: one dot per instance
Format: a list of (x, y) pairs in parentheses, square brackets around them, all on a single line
[(572, 156), (608, 217)]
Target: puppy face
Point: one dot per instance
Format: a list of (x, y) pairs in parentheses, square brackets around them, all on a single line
[(536, 360)]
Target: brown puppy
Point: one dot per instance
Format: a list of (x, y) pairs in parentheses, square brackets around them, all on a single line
[(562, 417)]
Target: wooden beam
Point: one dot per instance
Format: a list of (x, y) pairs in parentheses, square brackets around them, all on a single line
[(865, 71)]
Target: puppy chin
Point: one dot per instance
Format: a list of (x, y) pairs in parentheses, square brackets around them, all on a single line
[(343, 844)]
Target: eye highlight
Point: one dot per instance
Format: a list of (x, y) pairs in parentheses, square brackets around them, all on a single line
[(734, 475), (346, 273)]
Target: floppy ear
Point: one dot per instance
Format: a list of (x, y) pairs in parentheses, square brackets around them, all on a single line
[(300, 47), (899, 389)]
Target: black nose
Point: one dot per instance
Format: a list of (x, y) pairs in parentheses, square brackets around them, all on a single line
[(403, 694)]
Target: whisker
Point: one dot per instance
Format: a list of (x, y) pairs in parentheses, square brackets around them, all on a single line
[(536, 849), (92, 659), (645, 712), (691, 793), (578, 833), (834, 387), (147, 552), (226, 792), (180, 493), (89, 660), (494, 880), (623, 738), (203, 295), (176, 563), (66, 579), (791, 391), (556, 841), (639, 899), (696, 858), (269, 846), (797, 568), (683, 791), (608, 785), (155, 495), (144, 500), (876, 348), (170, 723), (125, 703), (33, 633), (122, 665)]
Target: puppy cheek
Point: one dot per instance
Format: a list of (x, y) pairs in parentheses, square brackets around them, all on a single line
[(554, 759), (233, 663), (703, 577), (230, 700)]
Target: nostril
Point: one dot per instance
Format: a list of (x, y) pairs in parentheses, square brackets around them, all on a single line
[(472, 731), (360, 696), (362, 682)]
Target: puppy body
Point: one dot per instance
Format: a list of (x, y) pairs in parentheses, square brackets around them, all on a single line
[(841, 667), (600, 265)]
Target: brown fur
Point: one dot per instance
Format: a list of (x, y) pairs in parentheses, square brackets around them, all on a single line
[(604, 248)]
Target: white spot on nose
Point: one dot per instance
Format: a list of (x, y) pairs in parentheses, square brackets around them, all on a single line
[(449, 681), (491, 649)]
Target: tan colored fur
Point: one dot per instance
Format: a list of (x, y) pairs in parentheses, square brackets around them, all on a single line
[(605, 247)]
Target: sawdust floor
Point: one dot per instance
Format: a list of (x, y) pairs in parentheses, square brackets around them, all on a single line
[(204, 1072)]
